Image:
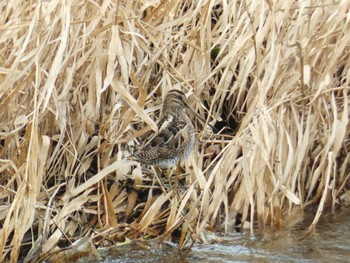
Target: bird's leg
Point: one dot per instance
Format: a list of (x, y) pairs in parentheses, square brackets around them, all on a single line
[(157, 172), (176, 178), (169, 173)]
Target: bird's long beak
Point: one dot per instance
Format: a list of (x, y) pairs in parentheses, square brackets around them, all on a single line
[(201, 118)]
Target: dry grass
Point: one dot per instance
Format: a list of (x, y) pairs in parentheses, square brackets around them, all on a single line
[(80, 82)]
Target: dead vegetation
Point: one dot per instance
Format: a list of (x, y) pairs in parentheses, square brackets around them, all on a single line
[(81, 81)]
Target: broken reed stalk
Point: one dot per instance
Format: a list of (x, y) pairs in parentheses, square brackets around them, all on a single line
[(78, 79)]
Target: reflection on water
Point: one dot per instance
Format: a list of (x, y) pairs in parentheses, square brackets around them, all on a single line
[(329, 243)]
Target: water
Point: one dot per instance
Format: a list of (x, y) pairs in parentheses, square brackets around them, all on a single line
[(329, 243)]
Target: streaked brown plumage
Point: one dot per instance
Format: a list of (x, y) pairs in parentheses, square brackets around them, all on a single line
[(175, 138)]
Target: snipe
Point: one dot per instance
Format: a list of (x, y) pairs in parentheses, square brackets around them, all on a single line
[(175, 138)]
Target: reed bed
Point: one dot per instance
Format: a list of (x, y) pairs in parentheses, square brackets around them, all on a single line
[(82, 81)]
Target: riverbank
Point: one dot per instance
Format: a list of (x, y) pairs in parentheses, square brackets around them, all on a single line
[(82, 83)]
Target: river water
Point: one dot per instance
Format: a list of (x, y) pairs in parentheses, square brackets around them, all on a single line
[(329, 243)]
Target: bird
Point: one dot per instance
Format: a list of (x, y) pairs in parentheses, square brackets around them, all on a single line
[(175, 138)]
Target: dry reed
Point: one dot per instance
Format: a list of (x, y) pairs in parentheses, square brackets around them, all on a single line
[(80, 82)]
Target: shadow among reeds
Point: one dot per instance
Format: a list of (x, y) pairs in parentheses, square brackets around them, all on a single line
[(82, 82)]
